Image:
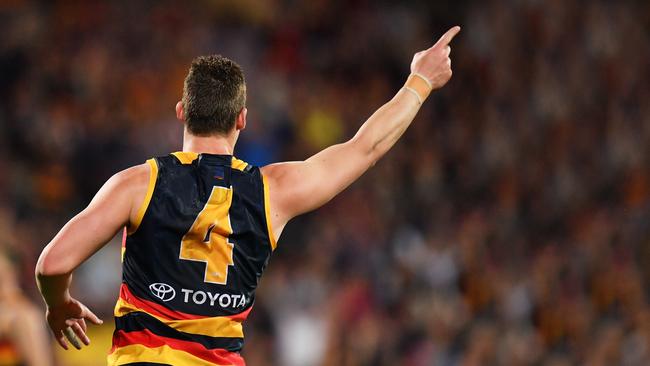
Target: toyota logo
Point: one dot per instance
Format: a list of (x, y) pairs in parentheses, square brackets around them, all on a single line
[(162, 291)]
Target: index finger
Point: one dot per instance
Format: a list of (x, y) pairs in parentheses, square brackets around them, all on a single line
[(447, 37)]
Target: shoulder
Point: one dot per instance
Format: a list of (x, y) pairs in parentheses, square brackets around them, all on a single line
[(122, 193), (134, 177), (135, 186), (125, 182), (278, 170), (129, 185)]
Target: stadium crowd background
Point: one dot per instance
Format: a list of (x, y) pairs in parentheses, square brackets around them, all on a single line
[(509, 226)]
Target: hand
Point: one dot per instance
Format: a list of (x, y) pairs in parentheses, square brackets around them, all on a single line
[(69, 319), (434, 63)]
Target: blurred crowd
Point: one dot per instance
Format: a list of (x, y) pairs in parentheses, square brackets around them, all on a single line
[(509, 226)]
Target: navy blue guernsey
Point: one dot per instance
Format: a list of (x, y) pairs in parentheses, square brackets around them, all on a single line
[(192, 261)]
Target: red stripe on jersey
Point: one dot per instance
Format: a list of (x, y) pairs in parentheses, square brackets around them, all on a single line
[(153, 308), (150, 340), (164, 312)]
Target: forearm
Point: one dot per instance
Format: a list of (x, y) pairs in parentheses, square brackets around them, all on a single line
[(382, 130), (52, 278), (351, 159), (55, 289), (298, 187), (340, 165), (430, 70)]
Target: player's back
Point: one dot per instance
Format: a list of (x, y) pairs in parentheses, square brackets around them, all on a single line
[(191, 262)]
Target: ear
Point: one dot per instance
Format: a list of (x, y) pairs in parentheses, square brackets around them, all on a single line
[(240, 123), (180, 113)]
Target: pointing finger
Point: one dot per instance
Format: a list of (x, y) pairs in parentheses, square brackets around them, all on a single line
[(87, 314), (447, 37)]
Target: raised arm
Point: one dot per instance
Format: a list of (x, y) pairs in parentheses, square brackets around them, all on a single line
[(110, 210), (299, 187)]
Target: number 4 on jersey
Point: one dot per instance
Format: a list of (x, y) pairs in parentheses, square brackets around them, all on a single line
[(207, 240)]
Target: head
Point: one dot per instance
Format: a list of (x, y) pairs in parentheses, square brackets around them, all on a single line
[(214, 98)]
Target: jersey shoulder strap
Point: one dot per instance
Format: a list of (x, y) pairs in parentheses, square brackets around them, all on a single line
[(246, 177)]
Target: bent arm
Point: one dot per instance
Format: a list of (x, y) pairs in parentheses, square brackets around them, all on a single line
[(299, 187), (109, 211)]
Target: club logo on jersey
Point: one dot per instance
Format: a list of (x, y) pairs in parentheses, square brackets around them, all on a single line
[(162, 291)]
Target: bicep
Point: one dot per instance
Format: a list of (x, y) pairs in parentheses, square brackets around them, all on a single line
[(302, 186)]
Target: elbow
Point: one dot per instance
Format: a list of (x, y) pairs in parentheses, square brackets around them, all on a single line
[(370, 151), (49, 265)]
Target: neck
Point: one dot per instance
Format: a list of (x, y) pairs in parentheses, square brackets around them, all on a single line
[(222, 145)]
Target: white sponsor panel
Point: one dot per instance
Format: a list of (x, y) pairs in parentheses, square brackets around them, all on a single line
[(166, 293)]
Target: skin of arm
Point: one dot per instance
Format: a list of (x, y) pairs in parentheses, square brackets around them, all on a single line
[(114, 206), (302, 186)]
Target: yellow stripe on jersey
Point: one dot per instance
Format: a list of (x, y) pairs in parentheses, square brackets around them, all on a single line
[(218, 326), (164, 354), (153, 176), (267, 211), (238, 164), (185, 157)]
